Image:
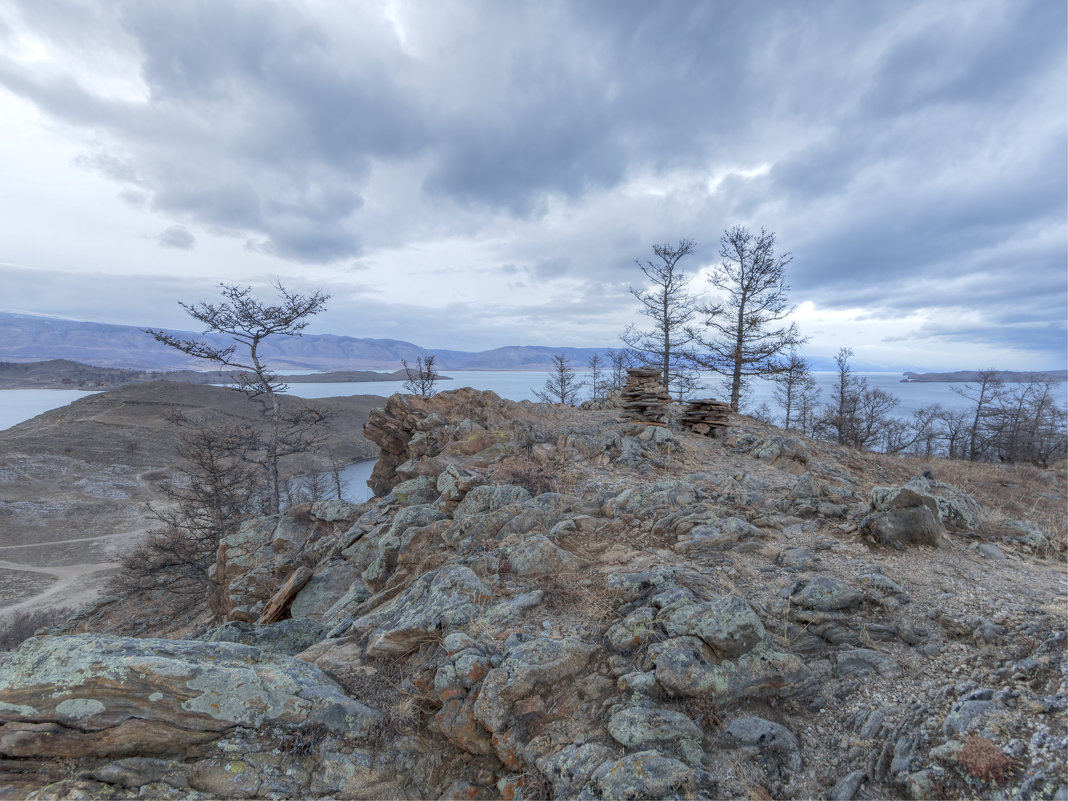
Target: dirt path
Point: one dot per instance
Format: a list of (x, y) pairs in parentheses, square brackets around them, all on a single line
[(74, 585), (59, 542)]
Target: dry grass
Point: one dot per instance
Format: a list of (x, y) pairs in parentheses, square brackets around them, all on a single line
[(535, 477), (1014, 492), (577, 596), (983, 760)]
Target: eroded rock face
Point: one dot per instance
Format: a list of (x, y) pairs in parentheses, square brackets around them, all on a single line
[(646, 723), (285, 637), (432, 605), (540, 662), (255, 561), (686, 667), (94, 695), (410, 430)]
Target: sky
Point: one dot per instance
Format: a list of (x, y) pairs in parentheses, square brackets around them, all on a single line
[(474, 174)]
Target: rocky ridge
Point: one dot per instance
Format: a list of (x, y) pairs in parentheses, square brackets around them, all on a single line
[(550, 603)]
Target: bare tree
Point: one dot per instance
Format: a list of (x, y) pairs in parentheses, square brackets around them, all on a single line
[(560, 386), (671, 307), (838, 418), (874, 417), (22, 624), (619, 361), (744, 341), (986, 395), (916, 434), (796, 392), (952, 428), (599, 386), (1027, 425), (420, 380), (313, 487), (857, 414), (216, 487), (337, 466), (248, 322)]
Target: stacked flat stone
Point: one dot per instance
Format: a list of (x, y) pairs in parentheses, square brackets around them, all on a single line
[(644, 399), (705, 416)]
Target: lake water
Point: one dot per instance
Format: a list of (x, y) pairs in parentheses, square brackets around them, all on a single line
[(17, 405)]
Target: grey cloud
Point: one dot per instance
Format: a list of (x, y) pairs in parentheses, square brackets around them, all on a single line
[(988, 58), (1042, 337), (177, 236), (915, 148)]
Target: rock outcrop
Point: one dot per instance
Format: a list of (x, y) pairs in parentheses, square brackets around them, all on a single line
[(551, 603)]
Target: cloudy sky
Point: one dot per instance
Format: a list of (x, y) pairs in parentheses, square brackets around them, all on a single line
[(474, 174)]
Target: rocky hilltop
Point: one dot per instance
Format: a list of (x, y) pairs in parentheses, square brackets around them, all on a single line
[(544, 602)]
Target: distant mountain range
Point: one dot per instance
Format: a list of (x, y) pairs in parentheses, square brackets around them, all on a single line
[(26, 338)]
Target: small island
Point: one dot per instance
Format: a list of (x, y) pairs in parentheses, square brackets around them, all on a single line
[(67, 374), (971, 376)]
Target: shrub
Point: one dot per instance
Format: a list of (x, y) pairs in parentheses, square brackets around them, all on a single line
[(21, 625), (983, 760)]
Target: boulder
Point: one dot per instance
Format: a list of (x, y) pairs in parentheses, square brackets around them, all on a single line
[(721, 535), (686, 666), (454, 483), (416, 491), (434, 604), (649, 500), (285, 637), (918, 512), (334, 510), (538, 556), (825, 594), (645, 723), (729, 626), (389, 544), (899, 528), (97, 695), (330, 582), (256, 560), (570, 768), (786, 453), (488, 498), (776, 743), (644, 775), (530, 666)]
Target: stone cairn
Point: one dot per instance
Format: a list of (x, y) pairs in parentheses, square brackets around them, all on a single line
[(644, 399), (705, 416)]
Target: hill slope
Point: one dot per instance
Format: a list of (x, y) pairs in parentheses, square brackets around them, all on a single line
[(551, 603), (75, 481)]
